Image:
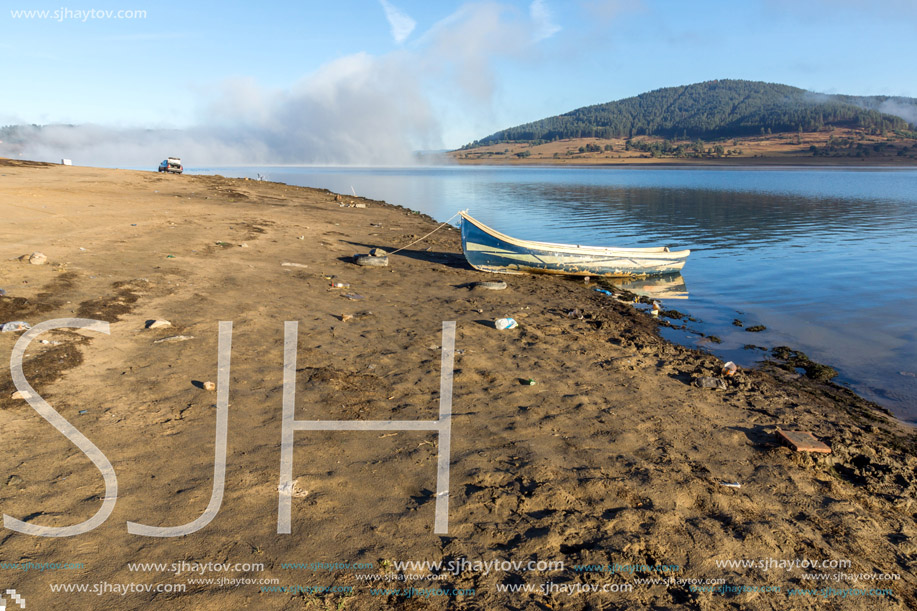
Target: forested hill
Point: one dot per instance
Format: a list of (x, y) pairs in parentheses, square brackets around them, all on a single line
[(717, 109)]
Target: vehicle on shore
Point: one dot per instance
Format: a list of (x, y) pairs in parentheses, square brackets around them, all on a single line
[(172, 165)]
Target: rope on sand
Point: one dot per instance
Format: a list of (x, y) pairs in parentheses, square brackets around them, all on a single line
[(444, 223)]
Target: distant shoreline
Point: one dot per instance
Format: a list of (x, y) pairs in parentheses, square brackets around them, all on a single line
[(832, 148), (677, 163)]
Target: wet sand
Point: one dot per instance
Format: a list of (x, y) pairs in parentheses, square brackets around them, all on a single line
[(612, 457)]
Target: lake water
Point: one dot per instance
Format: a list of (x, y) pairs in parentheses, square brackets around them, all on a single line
[(824, 258)]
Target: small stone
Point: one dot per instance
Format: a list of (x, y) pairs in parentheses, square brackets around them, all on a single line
[(38, 258), (21, 394), (13, 480), (210, 386), (370, 261), (243, 245), (157, 324), (346, 317)]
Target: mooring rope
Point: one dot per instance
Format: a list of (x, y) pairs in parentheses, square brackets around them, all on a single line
[(444, 223)]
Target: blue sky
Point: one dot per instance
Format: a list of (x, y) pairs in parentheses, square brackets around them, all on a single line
[(427, 74)]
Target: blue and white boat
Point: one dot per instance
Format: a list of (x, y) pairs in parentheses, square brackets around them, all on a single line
[(489, 250)]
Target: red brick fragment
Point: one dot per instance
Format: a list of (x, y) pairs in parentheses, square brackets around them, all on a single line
[(802, 441)]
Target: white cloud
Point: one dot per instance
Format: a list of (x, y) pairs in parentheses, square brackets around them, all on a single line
[(357, 109), (465, 45), (402, 25), (543, 20), (903, 108)]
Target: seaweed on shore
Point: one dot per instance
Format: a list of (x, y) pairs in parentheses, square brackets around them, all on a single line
[(45, 366), (110, 308), (794, 358)]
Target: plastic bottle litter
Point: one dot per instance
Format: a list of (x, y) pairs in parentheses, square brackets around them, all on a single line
[(505, 323), (603, 291), (710, 382), (656, 309), (729, 369), (16, 325), (491, 286), (340, 285)]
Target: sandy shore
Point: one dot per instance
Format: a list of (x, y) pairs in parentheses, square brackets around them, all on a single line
[(612, 458)]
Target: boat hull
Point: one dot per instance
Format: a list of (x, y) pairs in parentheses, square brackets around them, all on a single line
[(488, 250)]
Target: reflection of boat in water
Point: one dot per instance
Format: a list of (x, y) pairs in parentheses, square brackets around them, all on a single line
[(659, 287), (491, 251)]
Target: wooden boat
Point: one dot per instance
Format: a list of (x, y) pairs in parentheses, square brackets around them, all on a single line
[(489, 250)]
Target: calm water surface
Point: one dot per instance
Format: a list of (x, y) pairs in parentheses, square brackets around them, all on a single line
[(824, 258)]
